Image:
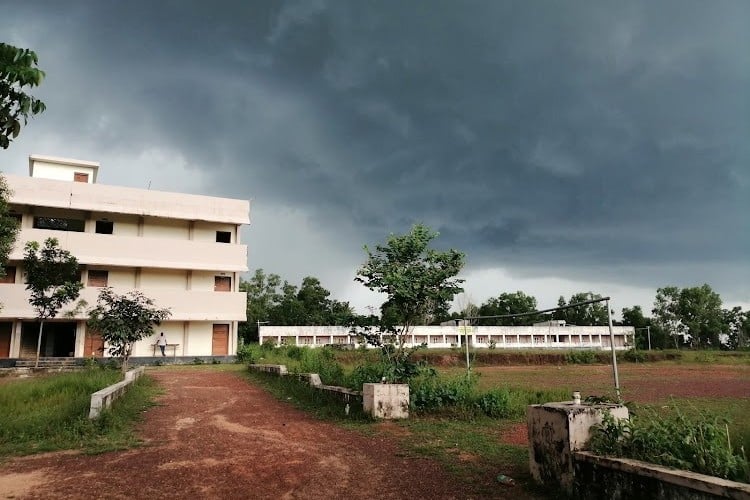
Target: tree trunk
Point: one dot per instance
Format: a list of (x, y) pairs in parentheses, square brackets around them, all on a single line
[(39, 344)]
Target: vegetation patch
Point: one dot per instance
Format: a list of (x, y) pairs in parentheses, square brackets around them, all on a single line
[(701, 443), (51, 413)]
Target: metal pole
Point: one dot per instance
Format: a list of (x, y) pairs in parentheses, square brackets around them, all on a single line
[(648, 331), (614, 355), (468, 366)]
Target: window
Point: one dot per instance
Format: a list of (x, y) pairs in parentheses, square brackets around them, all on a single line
[(222, 284), (16, 216), (10, 275), (98, 278), (80, 177), (223, 237), (59, 224), (104, 226)]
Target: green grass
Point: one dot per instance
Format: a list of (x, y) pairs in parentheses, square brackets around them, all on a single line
[(50, 413)]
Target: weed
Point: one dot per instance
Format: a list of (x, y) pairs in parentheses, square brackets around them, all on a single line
[(581, 357), (701, 444)]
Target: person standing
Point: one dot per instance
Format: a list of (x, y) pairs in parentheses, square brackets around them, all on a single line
[(162, 343)]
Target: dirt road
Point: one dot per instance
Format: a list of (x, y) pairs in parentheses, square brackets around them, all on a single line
[(213, 435)]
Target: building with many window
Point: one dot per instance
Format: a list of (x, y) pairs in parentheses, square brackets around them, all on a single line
[(183, 251), (540, 336)]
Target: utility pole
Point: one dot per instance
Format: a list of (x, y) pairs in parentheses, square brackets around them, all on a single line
[(614, 355)]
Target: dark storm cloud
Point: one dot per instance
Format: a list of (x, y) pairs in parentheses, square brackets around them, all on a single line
[(555, 135)]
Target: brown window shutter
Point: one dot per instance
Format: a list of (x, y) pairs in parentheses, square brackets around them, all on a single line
[(98, 278), (222, 284), (10, 275), (80, 177)]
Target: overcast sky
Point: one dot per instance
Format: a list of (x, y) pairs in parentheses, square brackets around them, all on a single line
[(564, 146)]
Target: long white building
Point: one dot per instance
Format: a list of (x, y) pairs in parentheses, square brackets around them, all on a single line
[(183, 251), (548, 336)]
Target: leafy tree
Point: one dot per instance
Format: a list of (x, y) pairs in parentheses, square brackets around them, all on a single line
[(644, 326), (693, 313), (283, 304), (52, 280), (667, 315), (262, 294), (17, 70), (736, 327), (588, 315), (700, 311), (123, 320), (509, 303), (8, 226), (419, 282)]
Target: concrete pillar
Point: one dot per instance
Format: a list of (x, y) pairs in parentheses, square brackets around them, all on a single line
[(556, 430), (386, 400)]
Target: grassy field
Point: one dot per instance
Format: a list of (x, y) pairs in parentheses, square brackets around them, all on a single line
[(50, 412)]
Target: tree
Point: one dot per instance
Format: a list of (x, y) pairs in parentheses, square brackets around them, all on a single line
[(123, 320), (692, 313), (262, 294), (17, 70), (700, 311), (589, 314), (419, 282), (736, 327), (52, 280), (8, 226), (509, 303)]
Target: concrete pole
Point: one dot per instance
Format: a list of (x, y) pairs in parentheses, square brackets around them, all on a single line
[(614, 355), (648, 331)]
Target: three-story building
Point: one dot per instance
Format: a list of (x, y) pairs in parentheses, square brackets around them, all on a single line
[(181, 250)]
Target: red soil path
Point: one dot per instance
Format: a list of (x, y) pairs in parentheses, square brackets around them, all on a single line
[(213, 435)]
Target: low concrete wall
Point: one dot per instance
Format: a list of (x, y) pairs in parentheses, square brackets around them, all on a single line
[(603, 477), (104, 398), (556, 431), (312, 379)]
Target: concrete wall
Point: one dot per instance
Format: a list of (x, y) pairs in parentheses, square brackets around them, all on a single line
[(601, 477)]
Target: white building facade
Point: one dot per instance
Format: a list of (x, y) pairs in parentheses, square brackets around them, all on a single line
[(500, 337), (182, 251)]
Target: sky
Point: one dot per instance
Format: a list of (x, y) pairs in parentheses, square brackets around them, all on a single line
[(564, 147)]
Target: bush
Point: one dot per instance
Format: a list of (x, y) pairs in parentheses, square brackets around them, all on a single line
[(432, 393), (634, 356), (495, 403), (586, 357), (701, 444), (246, 354), (323, 362)]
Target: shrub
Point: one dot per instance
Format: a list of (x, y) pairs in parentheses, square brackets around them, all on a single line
[(581, 357), (634, 356), (701, 444), (495, 403), (246, 354), (432, 393), (323, 362)]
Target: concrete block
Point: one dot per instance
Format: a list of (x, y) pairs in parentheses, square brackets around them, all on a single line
[(387, 401), (556, 431)]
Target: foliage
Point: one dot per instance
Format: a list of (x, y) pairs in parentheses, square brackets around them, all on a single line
[(509, 303), (583, 357), (700, 444), (692, 315), (51, 413), (51, 279), (419, 281), (268, 300), (634, 356), (8, 226), (17, 70), (123, 320), (586, 315)]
